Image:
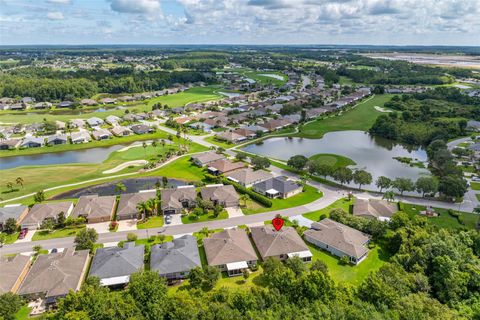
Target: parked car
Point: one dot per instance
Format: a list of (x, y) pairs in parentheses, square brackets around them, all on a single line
[(23, 233), (168, 219), (476, 179)]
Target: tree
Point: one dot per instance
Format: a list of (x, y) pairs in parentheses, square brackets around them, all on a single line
[(240, 156), (217, 210), (383, 183), (362, 177), (10, 303), (48, 224), (260, 162), (244, 198), (61, 220), (403, 184), (143, 207), (10, 226), (195, 277), (323, 170), (246, 275), (389, 195), (19, 181), (85, 239), (144, 145), (297, 162), (9, 186), (3, 239), (131, 237), (426, 185), (39, 196), (453, 186), (343, 174), (149, 291), (211, 276), (120, 187)]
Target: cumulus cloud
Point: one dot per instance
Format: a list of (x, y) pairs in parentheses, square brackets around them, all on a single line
[(135, 6), (55, 15)]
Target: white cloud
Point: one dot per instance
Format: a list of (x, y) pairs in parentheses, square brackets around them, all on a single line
[(135, 6), (60, 1), (55, 15)]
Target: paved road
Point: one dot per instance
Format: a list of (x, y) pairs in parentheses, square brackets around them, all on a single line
[(452, 144)]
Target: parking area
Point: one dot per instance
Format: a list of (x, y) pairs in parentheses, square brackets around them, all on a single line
[(127, 225)]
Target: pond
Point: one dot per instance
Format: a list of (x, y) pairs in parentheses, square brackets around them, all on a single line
[(272, 75), (370, 153)]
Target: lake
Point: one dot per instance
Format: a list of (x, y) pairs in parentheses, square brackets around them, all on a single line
[(370, 153)]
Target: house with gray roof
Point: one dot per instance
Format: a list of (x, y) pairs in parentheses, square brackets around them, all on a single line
[(94, 208), (32, 142), (278, 187), (14, 269), (111, 119), (374, 209), (114, 265), (16, 212), (127, 206), (42, 211), (282, 244), (205, 158), (53, 276), (94, 122), (57, 139), (248, 177), (101, 134), (174, 260), (176, 199), (141, 129), (339, 239), (219, 194), (80, 137)]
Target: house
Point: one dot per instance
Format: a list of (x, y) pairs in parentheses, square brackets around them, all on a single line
[(202, 159), (101, 134), (223, 166), (107, 101), (230, 251), (60, 125), (273, 125), (217, 122), (80, 137), (94, 208), (42, 211), (245, 133), (57, 139), (65, 104), (53, 276), (278, 187), (141, 129), (126, 99), (256, 129), (27, 100), (77, 123), (230, 136), (338, 239), (88, 102), (114, 265), (282, 244), (127, 207), (219, 194), (16, 212), (18, 106), (14, 269), (121, 131), (183, 120), (94, 122), (473, 125), (9, 144), (374, 209), (201, 126), (174, 200), (248, 177), (113, 120), (42, 105), (32, 142), (174, 260)]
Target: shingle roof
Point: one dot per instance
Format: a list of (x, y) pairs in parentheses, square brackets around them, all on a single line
[(224, 165), (228, 246), (270, 242), (116, 262), (374, 208), (248, 175), (281, 184), (221, 193), (207, 157), (41, 211), (12, 268), (94, 206), (11, 212), (179, 255), (172, 198), (128, 202)]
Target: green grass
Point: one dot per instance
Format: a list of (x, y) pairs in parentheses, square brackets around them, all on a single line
[(11, 238), (192, 95), (343, 203), (478, 196), (181, 169), (333, 160), (309, 195), (152, 222), (205, 217), (266, 80), (444, 220), (475, 185), (23, 313), (361, 117), (61, 233), (353, 274), (219, 143)]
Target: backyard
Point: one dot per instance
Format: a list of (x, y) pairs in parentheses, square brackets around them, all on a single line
[(343, 204), (444, 220), (192, 95)]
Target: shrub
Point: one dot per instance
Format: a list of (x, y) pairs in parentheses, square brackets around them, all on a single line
[(453, 213), (344, 260), (131, 237), (253, 195)]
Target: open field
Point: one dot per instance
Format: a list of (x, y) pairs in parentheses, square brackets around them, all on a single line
[(263, 78), (181, 169), (192, 95), (359, 118), (333, 160)]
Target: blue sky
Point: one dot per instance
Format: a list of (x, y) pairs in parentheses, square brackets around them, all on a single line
[(391, 22)]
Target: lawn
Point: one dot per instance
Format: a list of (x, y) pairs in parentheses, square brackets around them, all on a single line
[(361, 117), (343, 203), (181, 169), (262, 78), (309, 195), (205, 217), (60, 233), (219, 143), (192, 95), (475, 185), (353, 274), (152, 222), (478, 196), (11, 238), (333, 160), (23, 313), (444, 220)]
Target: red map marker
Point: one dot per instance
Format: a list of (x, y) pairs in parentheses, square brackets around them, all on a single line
[(277, 223)]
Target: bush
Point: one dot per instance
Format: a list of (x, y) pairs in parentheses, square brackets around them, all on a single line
[(453, 213), (131, 237), (344, 260), (253, 195), (113, 226)]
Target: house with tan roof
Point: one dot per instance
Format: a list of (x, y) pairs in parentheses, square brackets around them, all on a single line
[(127, 207), (219, 194), (223, 166), (230, 136), (374, 209), (339, 239), (42, 211), (245, 132), (247, 176), (121, 131), (282, 244), (230, 251), (176, 199), (94, 208), (53, 275), (13, 271), (202, 159)]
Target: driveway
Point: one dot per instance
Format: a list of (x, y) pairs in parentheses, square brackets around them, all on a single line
[(101, 227), (176, 220), (127, 225), (28, 237), (234, 212), (302, 221)]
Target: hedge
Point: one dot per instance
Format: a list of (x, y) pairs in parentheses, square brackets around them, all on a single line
[(253, 195)]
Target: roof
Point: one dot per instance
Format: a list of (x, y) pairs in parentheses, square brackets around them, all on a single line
[(101, 132), (116, 262), (179, 255), (118, 130), (173, 198), (62, 137), (207, 157), (55, 274), (11, 212), (374, 208), (270, 242), (225, 165), (12, 268), (221, 193), (230, 136), (128, 202), (280, 184), (94, 206), (248, 175), (228, 246), (41, 211), (339, 236), (80, 135)]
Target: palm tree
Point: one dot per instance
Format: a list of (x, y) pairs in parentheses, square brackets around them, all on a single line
[(142, 208), (120, 187), (154, 144), (144, 145), (19, 181), (9, 186), (244, 198)]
